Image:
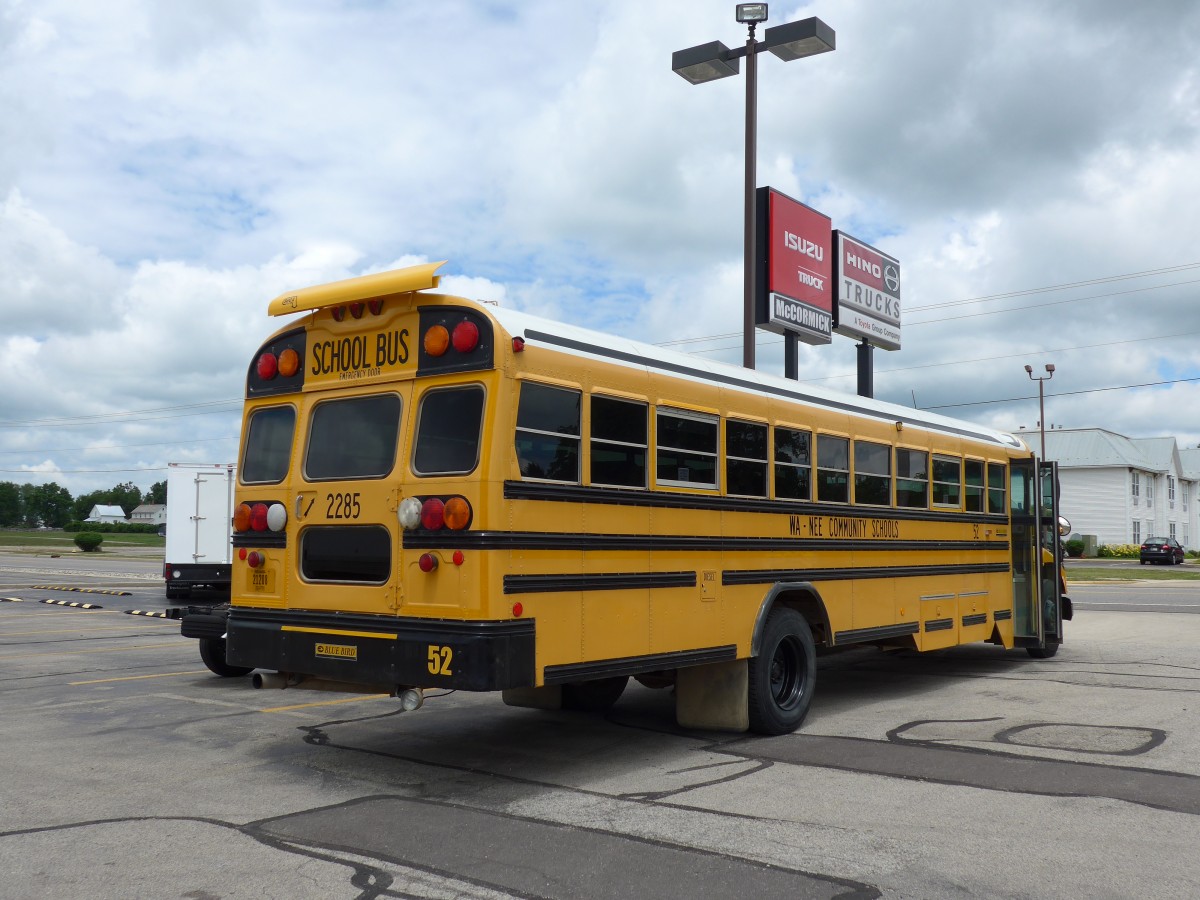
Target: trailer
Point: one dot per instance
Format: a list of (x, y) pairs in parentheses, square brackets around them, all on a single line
[(198, 554)]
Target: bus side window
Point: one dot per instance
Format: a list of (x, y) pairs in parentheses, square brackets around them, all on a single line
[(686, 449), (912, 478), (746, 458), (793, 464), (973, 476), (547, 439), (619, 431), (997, 476), (947, 478), (872, 473), (833, 469)]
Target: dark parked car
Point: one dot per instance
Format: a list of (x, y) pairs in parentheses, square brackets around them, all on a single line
[(1167, 550)]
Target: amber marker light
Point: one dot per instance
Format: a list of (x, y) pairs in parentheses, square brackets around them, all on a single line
[(289, 363), (436, 340), (241, 517), (457, 513)]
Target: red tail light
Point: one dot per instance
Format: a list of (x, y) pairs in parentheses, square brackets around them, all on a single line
[(268, 365), (433, 514), (465, 337)]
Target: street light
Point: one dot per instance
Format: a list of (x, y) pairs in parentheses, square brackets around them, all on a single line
[(708, 62), (1041, 400)]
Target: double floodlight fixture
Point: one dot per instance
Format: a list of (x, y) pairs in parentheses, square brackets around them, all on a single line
[(1049, 368), (792, 40)]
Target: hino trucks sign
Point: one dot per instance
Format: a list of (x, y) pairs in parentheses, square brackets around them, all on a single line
[(793, 284), (867, 285)]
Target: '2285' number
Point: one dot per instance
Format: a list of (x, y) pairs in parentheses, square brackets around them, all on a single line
[(343, 506)]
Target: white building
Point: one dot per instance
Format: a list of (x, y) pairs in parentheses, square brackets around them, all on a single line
[(1124, 490), (149, 514), (104, 513)]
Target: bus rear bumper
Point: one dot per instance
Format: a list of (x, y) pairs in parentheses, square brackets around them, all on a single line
[(389, 650)]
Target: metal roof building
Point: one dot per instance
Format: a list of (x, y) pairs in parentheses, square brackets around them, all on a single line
[(1124, 490)]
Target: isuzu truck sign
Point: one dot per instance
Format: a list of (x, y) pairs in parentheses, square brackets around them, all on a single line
[(867, 285), (794, 290)]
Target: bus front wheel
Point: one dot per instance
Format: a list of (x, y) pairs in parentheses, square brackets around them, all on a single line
[(1042, 652), (783, 675)]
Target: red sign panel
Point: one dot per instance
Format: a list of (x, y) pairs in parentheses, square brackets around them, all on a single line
[(795, 263)]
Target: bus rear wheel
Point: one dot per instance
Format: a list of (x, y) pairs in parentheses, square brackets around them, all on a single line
[(594, 696), (212, 651), (783, 675)]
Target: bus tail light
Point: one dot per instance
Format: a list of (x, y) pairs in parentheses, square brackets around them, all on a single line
[(466, 336), (433, 514), (428, 562), (457, 513), (267, 366), (289, 363), (436, 340), (259, 517), (254, 559)]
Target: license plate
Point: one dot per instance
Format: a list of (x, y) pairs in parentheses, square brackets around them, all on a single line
[(262, 581)]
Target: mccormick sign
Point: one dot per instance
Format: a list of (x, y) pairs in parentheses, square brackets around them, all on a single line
[(794, 292), (867, 283)]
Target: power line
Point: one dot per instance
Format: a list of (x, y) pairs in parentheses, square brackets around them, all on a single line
[(125, 446), (61, 421), (1119, 387)]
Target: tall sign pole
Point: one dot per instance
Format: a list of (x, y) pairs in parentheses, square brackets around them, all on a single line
[(748, 260)]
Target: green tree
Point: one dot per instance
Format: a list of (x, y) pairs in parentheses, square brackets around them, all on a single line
[(10, 504), (157, 493), (127, 496), (56, 505)]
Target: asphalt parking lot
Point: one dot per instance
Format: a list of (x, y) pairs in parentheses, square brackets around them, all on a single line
[(132, 771)]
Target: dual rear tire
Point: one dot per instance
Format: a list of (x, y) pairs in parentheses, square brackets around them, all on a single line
[(783, 675)]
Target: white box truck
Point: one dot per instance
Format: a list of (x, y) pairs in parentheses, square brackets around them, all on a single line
[(198, 552)]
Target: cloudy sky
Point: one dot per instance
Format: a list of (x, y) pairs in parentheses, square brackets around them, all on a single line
[(168, 168)]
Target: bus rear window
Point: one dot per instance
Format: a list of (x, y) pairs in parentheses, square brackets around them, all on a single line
[(448, 431), (353, 438), (268, 447)]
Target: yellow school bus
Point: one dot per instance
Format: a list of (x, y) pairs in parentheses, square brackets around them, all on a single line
[(437, 493)]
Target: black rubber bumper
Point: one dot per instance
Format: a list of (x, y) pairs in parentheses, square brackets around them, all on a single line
[(374, 650), (205, 624)]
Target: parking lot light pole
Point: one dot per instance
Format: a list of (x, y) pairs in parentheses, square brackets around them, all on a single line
[(708, 62), (1040, 379)]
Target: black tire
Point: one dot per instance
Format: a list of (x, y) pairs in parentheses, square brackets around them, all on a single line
[(783, 675), (1042, 652), (1141, 562), (212, 651), (594, 696)]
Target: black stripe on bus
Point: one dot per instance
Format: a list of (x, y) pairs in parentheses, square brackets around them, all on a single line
[(602, 581), (976, 619), (898, 415), (1002, 615), (878, 633), (576, 493), (554, 540), (772, 576), (633, 665), (939, 625)]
